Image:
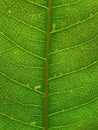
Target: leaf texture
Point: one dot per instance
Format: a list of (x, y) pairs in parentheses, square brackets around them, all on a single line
[(49, 64)]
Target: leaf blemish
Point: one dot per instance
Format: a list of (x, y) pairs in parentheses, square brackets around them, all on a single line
[(27, 85), (54, 27), (37, 87), (33, 123)]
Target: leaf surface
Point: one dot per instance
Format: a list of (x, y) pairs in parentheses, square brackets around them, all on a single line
[(49, 64)]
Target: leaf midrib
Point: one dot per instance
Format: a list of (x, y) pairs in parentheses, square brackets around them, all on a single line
[(47, 65)]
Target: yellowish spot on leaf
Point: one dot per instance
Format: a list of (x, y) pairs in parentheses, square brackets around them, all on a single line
[(27, 85), (33, 123), (54, 27), (37, 87)]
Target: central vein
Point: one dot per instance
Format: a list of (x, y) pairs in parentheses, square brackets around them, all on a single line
[(47, 65)]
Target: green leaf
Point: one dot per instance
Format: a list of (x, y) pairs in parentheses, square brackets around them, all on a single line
[(48, 64)]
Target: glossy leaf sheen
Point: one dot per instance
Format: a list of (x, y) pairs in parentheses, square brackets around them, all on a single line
[(48, 63)]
